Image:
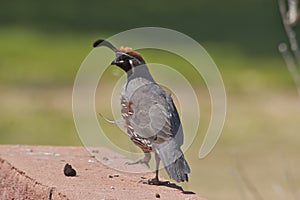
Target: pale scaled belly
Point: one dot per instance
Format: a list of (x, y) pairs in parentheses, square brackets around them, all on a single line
[(127, 113)]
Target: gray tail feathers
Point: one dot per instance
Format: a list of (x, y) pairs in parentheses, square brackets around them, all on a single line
[(179, 170), (174, 162)]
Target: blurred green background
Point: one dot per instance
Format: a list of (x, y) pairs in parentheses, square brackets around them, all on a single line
[(43, 43)]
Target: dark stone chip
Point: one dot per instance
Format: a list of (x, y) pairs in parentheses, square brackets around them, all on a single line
[(69, 171)]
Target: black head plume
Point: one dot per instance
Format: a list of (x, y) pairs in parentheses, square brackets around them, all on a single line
[(105, 43)]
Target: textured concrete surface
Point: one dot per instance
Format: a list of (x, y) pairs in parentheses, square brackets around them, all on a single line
[(36, 172)]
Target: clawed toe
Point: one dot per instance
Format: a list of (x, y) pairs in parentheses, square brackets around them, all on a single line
[(154, 181)]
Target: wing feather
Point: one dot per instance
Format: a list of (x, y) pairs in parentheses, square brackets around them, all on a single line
[(155, 116)]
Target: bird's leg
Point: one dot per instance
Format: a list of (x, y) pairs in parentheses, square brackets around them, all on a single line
[(145, 160), (155, 180)]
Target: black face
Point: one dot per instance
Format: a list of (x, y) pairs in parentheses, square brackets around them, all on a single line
[(124, 61)]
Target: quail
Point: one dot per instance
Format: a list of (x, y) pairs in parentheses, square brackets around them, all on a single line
[(151, 118)]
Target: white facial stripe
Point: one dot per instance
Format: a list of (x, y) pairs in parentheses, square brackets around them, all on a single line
[(132, 67), (131, 63)]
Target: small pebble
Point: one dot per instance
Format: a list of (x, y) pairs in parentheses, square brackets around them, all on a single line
[(157, 195), (69, 171), (30, 150), (113, 175), (105, 159), (112, 187), (95, 151)]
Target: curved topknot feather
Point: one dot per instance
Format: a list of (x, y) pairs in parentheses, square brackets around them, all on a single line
[(105, 43)]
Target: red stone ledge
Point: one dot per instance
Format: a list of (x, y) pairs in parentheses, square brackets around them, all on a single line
[(36, 172)]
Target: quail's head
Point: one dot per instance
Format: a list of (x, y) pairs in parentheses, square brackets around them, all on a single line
[(127, 59)]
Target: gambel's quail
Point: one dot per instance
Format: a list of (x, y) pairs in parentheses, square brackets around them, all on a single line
[(150, 116)]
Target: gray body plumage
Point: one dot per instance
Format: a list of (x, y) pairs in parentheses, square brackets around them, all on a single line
[(155, 121)]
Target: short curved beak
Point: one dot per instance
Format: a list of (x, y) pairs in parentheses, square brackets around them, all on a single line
[(114, 62), (117, 62)]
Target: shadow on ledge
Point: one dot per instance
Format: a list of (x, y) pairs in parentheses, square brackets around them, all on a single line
[(175, 186)]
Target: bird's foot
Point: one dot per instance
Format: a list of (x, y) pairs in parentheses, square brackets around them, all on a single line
[(145, 160), (154, 181)]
